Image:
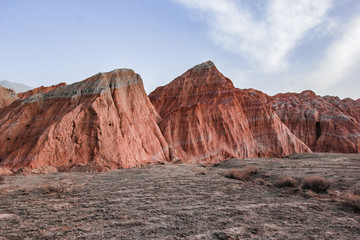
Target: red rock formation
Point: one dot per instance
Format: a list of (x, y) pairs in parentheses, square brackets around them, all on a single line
[(106, 120), (206, 119), (323, 124), (347, 106), (7, 96), (41, 89), (271, 135)]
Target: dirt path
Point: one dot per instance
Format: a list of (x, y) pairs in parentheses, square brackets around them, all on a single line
[(183, 201)]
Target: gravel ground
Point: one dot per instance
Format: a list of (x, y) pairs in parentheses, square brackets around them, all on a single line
[(184, 202)]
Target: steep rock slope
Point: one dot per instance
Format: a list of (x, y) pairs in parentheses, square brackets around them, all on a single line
[(106, 120), (206, 119), (323, 124), (273, 137), (7, 96)]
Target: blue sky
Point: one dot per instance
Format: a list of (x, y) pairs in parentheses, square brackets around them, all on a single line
[(274, 46)]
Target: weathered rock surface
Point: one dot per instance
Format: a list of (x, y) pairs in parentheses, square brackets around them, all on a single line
[(273, 138), (7, 96), (324, 124), (41, 89), (348, 106), (206, 119), (106, 120)]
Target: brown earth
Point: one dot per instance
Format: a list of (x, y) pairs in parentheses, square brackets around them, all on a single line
[(184, 202)]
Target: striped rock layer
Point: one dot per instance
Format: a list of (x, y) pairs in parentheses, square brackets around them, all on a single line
[(206, 119), (324, 124), (106, 120)]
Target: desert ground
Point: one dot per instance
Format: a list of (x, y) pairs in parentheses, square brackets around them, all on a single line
[(185, 202)]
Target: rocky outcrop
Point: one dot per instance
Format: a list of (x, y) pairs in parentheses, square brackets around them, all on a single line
[(348, 106), (41, 89), (105, 121), (273, 138), (206, 119), (7, 96), (324, 124)]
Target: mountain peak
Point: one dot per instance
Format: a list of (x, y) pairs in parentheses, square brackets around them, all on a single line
[(205, 65)]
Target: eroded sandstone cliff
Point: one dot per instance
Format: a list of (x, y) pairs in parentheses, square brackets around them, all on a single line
[(106, 120), (206, 119), (324, 124)]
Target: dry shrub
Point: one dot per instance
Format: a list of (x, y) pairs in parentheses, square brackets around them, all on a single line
[(260, 181), (316, 184), (202, 171), (235, 174), (356, 189), (353, 201), (59, 190), (243, 175), (1, 179), (252, 169), (311, 194), (285, 182)]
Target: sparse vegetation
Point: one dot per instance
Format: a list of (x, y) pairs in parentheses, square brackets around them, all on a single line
[(243, 175), (54, 190), (356, 190), (352, 200), (173, 201), (260, 181), (235, 174), (316, 184), (285, 182), (202, 171), (252, 169), (311, 194)]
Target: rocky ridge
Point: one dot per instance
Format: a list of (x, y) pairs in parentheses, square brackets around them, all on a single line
[(206, 119), (103, 122), (107, 121), (41, 89), (324, 124)]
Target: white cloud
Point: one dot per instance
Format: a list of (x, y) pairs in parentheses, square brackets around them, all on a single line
[(269, 41), (340, 58)]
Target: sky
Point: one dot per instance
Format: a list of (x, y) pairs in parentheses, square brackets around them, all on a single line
[(273, 46)]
